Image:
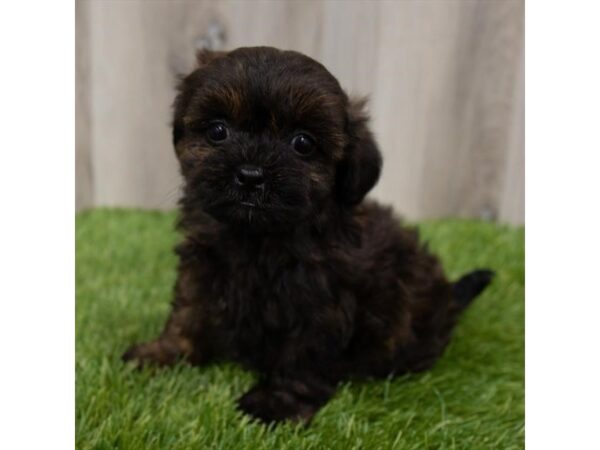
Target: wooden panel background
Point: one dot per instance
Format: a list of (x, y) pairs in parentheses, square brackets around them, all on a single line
[(445, 79)]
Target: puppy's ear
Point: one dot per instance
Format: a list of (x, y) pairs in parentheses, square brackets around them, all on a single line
[(359, 170), (203, 57)]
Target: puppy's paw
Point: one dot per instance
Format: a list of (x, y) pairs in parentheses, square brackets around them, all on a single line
[(149, 354), (270, 405)]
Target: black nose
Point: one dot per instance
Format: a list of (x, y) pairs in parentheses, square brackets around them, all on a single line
[(249, 176)]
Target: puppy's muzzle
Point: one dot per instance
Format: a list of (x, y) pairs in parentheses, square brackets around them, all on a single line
[(250, 177)]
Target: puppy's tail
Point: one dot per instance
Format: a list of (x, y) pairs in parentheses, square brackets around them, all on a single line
[(470, 286)]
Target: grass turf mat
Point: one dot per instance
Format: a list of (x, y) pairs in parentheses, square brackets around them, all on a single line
[(125, 269)]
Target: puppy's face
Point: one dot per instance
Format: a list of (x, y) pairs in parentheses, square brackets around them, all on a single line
[(266, 139)]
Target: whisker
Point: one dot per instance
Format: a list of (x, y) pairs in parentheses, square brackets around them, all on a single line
[(172, 194)]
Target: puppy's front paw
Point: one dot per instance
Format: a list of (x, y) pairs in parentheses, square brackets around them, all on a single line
[(149, 353), (270, 405)]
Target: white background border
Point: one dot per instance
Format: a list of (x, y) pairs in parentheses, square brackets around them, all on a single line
[(37, 297), (562, 148)]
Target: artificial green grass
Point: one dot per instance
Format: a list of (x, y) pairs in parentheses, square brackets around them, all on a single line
[(125, 269)]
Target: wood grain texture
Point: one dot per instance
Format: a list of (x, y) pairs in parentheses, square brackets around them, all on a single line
[(444, 77), (84, 195)]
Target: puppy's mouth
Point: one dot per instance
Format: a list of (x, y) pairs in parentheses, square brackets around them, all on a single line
[(255, 209)]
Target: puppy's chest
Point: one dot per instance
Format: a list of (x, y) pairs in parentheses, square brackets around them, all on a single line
[(270, 291)]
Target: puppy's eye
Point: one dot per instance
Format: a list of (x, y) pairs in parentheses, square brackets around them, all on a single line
[(217, 132), (303, 144)]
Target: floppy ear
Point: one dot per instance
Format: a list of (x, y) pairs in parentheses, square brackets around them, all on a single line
[(203, 57), (359, 170)]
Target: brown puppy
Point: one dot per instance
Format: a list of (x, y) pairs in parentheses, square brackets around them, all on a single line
[(283, 267)]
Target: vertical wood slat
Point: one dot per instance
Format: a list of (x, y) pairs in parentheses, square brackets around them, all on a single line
[(512, 196), (84, 195), (444, 78)]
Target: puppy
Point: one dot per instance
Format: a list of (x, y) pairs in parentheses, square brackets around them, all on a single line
[(283, 267)]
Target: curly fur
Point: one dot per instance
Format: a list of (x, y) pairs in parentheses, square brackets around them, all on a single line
[(310, 284)]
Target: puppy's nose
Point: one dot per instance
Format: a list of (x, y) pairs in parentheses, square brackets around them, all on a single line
[(249, 176)]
